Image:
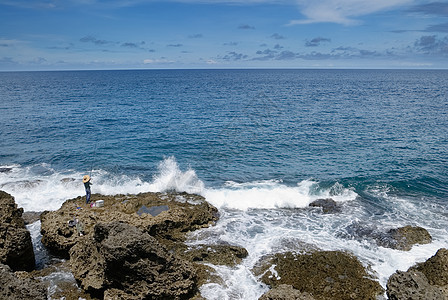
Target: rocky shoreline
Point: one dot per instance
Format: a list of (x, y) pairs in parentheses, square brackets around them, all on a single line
[(133, 247)]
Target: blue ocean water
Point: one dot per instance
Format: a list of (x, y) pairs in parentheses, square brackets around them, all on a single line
[(258, 144)]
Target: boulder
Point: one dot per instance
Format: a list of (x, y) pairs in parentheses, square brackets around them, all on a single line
[(16, 248), (402, 238), (324, 274), (285, 292), (30, 217), (216, 254), (427, 280), (181, 213), (124, 262), (15, 287), (329, 206)]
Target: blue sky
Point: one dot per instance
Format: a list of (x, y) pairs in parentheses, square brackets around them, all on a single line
[(131, 34)]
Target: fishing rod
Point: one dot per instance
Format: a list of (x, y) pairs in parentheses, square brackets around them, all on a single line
[(93, 159)]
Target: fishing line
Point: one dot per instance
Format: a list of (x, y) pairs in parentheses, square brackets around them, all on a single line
[(93, 159)]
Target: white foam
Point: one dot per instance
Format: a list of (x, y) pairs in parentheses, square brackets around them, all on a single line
[(273, 194)]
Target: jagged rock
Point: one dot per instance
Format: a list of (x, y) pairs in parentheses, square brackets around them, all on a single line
[(216, 254), (13, 287), (435, 268), (30, 217), (427, 280), (324, 274), (123, 261), (411, 285), (408, 236), (329, 206), (285, 292), (185, 213), (402, 238), (16, 248)]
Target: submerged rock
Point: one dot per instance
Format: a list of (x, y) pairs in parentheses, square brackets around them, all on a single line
[(329, 206), (216, 254), (30, 217), (15, 287), (324, 274), (427, 280), (124, 261), (175, 214), (285, 292), (16, 248), (402, 238)]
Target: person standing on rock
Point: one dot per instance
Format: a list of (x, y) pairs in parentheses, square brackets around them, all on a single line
[(87, 184)]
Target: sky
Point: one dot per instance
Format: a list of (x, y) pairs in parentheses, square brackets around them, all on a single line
[(199, 34)]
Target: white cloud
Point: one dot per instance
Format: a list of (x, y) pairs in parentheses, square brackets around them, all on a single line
[(342, 11)]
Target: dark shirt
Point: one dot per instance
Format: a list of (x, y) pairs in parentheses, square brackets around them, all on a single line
[(87, 185)]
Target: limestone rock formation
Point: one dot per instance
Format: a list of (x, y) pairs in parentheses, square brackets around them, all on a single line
[(13, 287), (16, 248), (285, 292), (427, 280), (324, 274), (122, 260), (185, 212), (329, 206)]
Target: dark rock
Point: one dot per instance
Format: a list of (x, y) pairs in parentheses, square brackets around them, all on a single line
[(408, 236), (427, 280), (402, 238), (329, 206), (153, 211), (5, 170), (14, 287), (185, 213), (412, 285), (324, 274), (285, 292), (16, 248), (29, 217), (123, 260), (216, 254)]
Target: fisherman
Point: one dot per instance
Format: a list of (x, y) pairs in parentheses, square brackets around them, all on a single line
[(87, 184)]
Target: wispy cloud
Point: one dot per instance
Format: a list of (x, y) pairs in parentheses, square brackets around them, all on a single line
[(174, 45), (431, 44), (342, 11), (91, 39), (277, 36), (316, 42), (245, 26), (196, 36)]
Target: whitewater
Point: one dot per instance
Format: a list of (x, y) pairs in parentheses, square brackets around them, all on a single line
[(264, 217)]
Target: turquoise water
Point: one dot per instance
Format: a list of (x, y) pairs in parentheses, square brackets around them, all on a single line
[(258, 144)]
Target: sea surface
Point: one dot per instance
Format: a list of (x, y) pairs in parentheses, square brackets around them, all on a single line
[(258, 144)]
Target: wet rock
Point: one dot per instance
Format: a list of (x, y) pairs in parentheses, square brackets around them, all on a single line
[(408, 236), (5, 170), (122, 261), (177, 213), (427, 280), (435, 268), (15, 287), (402, 238), (216, 254), (412, 285), (16, 248), (329, 206), (30, 217), (324, 274), (285, 292)]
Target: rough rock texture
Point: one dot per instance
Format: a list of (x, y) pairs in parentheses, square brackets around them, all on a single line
[(14, 287), (124, 262), (285, 292), (16, 248), (329, 206), (324, 274), (216, 254), (412, 285), (185, 213), (402, 238), (427, 280), (408, 236)]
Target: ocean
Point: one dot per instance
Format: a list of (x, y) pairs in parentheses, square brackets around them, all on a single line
[(260, 145)]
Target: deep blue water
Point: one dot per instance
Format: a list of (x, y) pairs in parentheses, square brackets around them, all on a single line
[(258, 144), (242, 125)]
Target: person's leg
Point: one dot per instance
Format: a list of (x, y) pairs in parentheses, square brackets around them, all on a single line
[(87, 197)]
